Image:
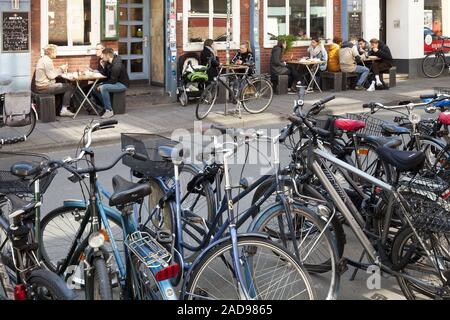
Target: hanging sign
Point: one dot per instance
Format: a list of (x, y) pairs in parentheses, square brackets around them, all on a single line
[(110, 20)]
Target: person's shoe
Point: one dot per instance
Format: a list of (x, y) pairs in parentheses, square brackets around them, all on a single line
[(108, 114), (66, 113), (359, 88), (290, 91), (379, 84), (372, 87)]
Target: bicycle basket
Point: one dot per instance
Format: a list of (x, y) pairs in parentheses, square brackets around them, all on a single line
[(147, 145), (426, 127), (373, 125), (429, 202), (11, 184)]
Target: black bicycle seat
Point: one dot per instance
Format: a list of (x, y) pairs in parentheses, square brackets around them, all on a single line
[(20, 206), (126, 192), (393, 142), (394, 129), (404, 161), (25, 169)]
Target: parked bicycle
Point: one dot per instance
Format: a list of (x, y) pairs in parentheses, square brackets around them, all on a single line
[(253, 93), (17, 122), (434, 63)]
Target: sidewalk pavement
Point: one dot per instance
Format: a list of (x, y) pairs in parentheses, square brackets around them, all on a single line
[(144, 117)]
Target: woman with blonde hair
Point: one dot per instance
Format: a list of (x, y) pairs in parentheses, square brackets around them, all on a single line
[(45, 82), (244, 55)]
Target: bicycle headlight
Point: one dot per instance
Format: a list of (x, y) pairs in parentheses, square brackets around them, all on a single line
[(414, 118), (96, 240)]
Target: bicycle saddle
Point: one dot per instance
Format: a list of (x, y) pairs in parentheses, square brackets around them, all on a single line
[(126, 192), (349, 125), (20, 206), (25, 169), (388, 142), (394, 129), (404, 161), (444, 118)]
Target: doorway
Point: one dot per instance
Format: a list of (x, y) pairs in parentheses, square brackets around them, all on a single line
[(383, 20), (158, 43), (134, 46)]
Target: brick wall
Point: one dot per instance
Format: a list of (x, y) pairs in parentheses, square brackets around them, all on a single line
[(79, 62)]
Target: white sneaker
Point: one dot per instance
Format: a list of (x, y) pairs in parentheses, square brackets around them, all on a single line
[(108, 114), (66, 113), (372, 87), (379, 84)]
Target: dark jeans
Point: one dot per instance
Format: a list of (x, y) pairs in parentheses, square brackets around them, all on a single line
[(65, 89), (380, 67), (294, 75)]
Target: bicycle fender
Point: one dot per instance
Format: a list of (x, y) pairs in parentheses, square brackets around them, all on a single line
[(211, 246)]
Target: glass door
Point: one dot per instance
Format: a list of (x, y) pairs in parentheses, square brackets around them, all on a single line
[(134, 47)]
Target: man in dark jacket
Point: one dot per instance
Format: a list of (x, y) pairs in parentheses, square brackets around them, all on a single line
[(279, 67), (208, 57), (117, 81), (382, 51)]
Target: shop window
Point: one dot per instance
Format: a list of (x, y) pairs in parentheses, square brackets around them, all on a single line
[(436, 24), (207, 19), (73, 25), (304, 19)]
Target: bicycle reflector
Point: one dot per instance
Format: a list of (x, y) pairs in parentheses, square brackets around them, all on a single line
[(168, 273), (20, 292)]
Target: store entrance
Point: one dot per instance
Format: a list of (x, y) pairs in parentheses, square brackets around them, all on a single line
[(157, 38), (383, 20)]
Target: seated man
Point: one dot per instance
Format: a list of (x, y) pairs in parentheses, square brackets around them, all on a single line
[(385, 63), (117, 81), (102, 67), (45, 82), (348, 56), (279, 67)]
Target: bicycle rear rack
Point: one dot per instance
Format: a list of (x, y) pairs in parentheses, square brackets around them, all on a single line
[(148, 250)]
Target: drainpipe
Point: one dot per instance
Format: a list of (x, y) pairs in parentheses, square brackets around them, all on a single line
[(254, 32), (171, 49), (344, 20)]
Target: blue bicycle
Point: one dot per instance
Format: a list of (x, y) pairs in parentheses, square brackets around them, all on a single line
[(101, 241)]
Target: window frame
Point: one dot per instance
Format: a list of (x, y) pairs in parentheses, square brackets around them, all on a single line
[(73, 50), (329, 24), (235, 26)]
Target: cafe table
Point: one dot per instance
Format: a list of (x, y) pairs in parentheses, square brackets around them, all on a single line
[(369, 59), (313, 66), (77, 78)]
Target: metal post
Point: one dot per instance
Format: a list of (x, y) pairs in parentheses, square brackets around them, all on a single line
[(254, 33), (228, 31), (171, 50), (344, 19)]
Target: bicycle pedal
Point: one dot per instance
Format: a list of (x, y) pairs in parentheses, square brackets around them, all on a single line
[(164, 237)]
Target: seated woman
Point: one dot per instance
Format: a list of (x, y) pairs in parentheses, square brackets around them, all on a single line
[(244, 55), (333, 55), (317, 51), (209, 57), (45, 82), (279, 67)]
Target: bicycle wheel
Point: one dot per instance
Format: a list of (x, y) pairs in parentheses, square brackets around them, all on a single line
[(59, 229), (15, 132), (257, 95), (409, 256), (314, 240), (433, 64), (206, 101), (437, 158), (270, 272), (98, 282), (45, 285)]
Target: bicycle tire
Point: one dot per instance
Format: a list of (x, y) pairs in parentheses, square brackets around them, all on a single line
[(309, 191), (323, 260), (253, 90), (54, 286), (206, 101), (413, 291), (50, 262), (98, 283), (16, 132), (248, 246), (433, 64)]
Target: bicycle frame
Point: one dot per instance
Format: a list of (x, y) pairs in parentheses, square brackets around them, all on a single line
[(352, 215)]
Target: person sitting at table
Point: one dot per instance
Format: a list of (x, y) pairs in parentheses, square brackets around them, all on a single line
[(279, 67), (244, 55), (348, 58), (333, 55), (117, 81), (102, 66), (385, 62), (209, 57), (317, 51), (363, 47), (45, 82)]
